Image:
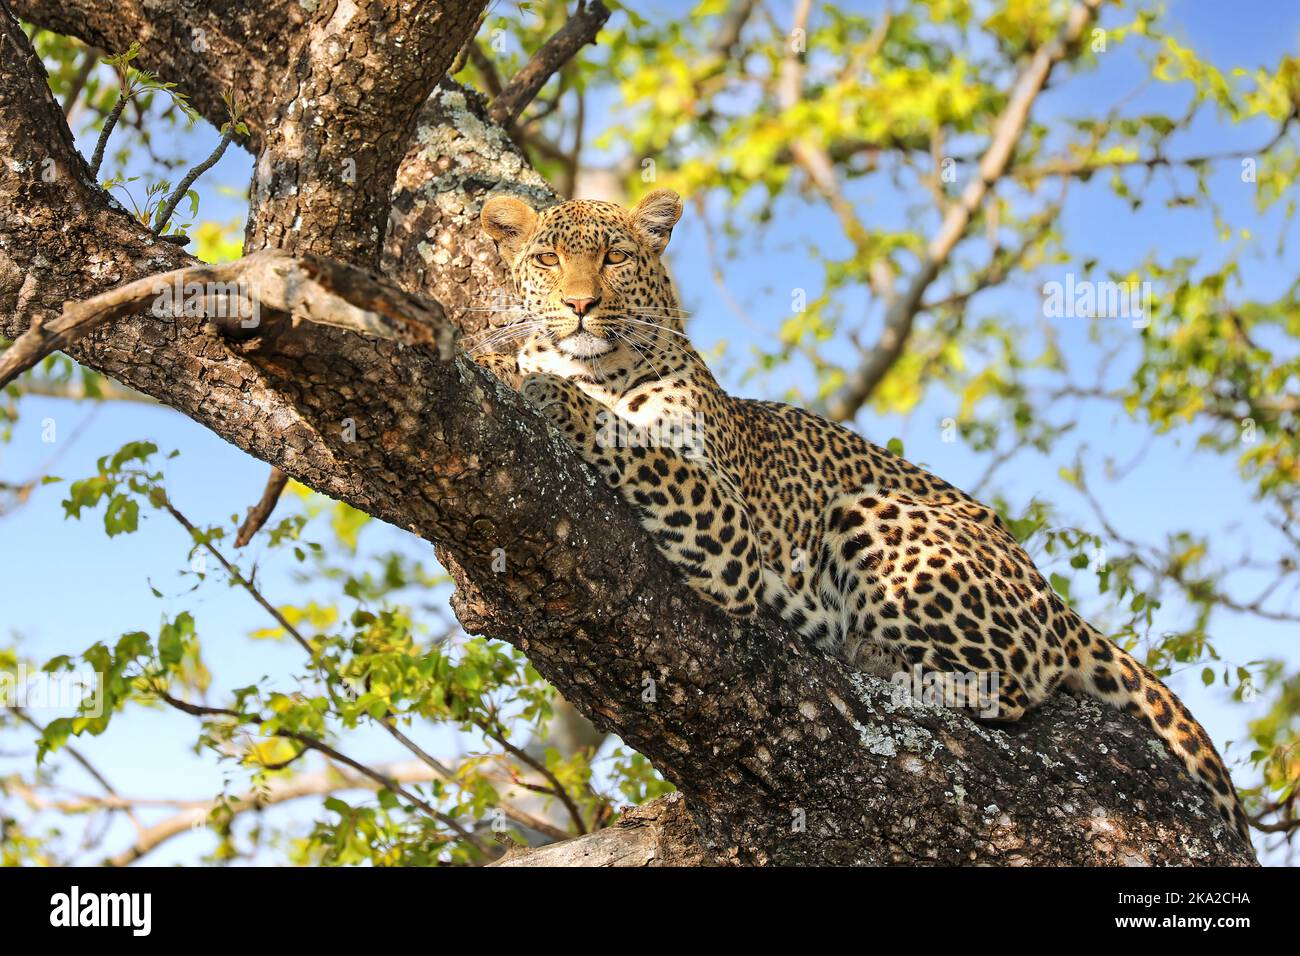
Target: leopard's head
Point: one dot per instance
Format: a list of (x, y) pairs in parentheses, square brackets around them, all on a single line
[(590, 273)]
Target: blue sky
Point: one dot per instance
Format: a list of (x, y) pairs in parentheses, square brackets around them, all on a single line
[(68, 586)]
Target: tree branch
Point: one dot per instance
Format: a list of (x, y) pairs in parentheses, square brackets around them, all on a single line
[(203, 48), (1007, 130), (258, 514), (332, 780), (659, 833), (311, 289), (524, 86), (313, 743)]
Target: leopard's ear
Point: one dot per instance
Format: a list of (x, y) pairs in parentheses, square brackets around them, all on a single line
[(510, 222), (655, 216)]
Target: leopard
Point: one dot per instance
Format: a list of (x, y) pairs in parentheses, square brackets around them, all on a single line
[(761, 505)]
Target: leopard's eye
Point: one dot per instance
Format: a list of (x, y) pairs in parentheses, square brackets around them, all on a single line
[(615, 256), (547, 259)]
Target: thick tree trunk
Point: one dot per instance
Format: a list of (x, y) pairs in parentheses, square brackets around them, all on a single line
[(782, 755)]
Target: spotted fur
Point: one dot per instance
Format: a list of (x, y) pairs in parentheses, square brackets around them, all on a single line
[(759, 503)]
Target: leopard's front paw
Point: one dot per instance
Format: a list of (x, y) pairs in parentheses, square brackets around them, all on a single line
[(541, 387), (558, 400), (544, 391), (503, 366)]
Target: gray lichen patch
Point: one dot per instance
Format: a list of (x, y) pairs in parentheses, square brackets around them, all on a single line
[(474, 147), (876, 740)]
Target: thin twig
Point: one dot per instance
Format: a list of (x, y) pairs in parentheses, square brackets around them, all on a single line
[(486, 68), (239, 579), (165, 212), (388, 783), (258, 514), (541, 768), (386, 721), (102, 142), (71, 99), (511, 812), (76, 755)]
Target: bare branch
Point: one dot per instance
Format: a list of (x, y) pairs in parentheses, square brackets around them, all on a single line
[(524, 86), (102, 142), (192, 814), (487, 69), (197, 813), (312, 743), (86, 765), (258, 514), (446, 773), (386, 721), (1077, 166), (72, 98), (164, 214), (556, 787), (806, 152), (105, 390), (659, 833)]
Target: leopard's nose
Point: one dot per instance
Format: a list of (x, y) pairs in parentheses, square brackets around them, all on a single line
[(582, 306)]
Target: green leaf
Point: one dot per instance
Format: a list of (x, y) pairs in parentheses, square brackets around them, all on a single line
[(132, 451), (84, 494), (122, 516), (55, 735), (173, 637)]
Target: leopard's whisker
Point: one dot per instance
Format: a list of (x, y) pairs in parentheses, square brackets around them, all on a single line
[(655, 325), (623, 334), (497, 329), (661, 347), (650, 316), (646, 316), (508, 331), (655, 349), (504, 335), (490, 343)]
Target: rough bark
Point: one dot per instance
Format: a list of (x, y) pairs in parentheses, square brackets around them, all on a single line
[(338, 118), (782, 755), (659, 833), (203, 46)]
